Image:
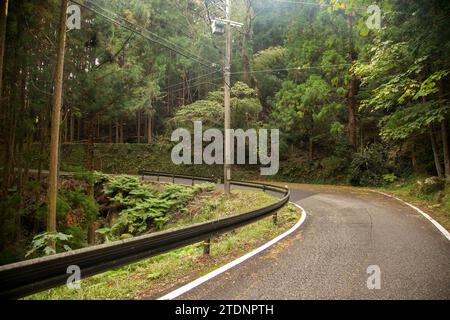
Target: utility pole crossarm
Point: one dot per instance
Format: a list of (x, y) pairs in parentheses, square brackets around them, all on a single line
[(232, 23)]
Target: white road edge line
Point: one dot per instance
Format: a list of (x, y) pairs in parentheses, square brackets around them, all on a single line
[(436, 224), (178, 292)]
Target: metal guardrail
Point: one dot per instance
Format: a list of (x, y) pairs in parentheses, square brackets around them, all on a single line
[(31, 276)]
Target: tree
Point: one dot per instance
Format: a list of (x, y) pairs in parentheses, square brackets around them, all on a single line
[(309, 107), (245, 109), (407, 75), (3, 19), (56, 118)]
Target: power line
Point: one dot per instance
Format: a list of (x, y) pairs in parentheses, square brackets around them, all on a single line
[(190, 80), (295, 68), (324, 5), (176, 46), (196, 85), (139, 31), (252, 72)]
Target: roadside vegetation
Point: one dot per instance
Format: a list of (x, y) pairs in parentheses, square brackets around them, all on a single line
[(93, 209), (151, 277), (429, 194)]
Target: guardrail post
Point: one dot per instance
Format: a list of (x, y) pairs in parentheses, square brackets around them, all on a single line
[(192, 181), (275, 218), (173, 178), (207, 246)]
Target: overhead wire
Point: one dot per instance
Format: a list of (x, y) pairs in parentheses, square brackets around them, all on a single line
[(150, 32), (153, 38)]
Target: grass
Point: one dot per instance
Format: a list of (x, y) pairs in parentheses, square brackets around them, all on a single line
[(151, 277), (436, 204)]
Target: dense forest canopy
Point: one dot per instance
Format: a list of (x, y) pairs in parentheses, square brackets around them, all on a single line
[(354, 104)]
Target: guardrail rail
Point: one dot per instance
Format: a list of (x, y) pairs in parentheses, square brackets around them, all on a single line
[(31, 276)]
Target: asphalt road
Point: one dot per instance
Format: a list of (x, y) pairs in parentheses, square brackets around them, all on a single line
[(327, 258)]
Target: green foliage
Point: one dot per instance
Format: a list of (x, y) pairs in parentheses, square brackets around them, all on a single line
[(41, 244), (389, 178), (333, 167), (269, 83), (367, 169), (245, 108), (78, 235), (142, 206), (123, 185), (209, 112), (62, 207), (308, 109), (138, 218), (78, 199)]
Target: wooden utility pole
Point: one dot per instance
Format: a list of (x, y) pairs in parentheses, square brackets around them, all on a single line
[(227, 89), (56, 118)]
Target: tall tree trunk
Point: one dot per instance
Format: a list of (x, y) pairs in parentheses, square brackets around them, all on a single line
[(90, 166), (353, 89), (138, 126), (10, 149), (121, 131), (414, 163), (66, 129), (434, 146), (351, 111), (110, 132), (117, 132), (3, 18), (72, 127), (446, 147), (149, 129), (246, 39), (78, 130), (43, 121), (90, 150), (8, 114), (99, 133), (443, 89), (56, 118)]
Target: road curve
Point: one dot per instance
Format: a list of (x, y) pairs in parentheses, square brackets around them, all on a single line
[(345, 231)]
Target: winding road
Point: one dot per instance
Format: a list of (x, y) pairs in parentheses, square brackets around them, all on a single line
[(346, 230)]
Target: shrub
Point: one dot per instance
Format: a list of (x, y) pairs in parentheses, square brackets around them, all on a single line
[(78, 199), (431, 185), (367, 169), (332, 167), (121, 184), (41, 244), (142, 206), (389, 178)]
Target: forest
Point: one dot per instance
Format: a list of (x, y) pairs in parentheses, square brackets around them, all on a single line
[(355, 105)]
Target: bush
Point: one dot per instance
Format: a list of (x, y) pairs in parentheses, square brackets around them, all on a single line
[(431, 185), (368, 168), (40, 246), (78, 199), (389, 178), (333, 167), (78, 237), (142, 206)]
